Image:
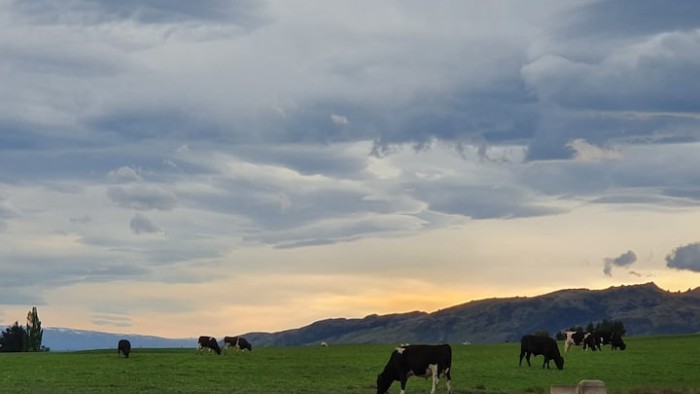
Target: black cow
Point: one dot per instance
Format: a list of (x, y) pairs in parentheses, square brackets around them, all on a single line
[(239, 343), (604, 337), (617, 342), (209, 343), (536, 345), (419, 360), (124, 347)]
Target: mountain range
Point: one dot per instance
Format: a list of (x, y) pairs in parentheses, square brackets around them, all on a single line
[(643, 309), (68, 339)]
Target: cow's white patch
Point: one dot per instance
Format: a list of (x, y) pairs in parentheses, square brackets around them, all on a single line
[(400, 350)]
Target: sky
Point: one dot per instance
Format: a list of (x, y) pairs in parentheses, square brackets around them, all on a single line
[(217, 167)]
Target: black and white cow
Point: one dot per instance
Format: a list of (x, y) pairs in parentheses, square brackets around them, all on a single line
[(589, 340), (124, 347), (208, 343), (536, 345), (239, 343), (571, 339), (617, 342), (419, 360)]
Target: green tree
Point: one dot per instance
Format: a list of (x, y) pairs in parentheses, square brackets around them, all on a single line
[(13, 339), (34, 331)]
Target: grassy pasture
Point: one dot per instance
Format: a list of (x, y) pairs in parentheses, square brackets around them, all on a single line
[(666, 364)]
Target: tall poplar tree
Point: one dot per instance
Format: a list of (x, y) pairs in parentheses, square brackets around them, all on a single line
[(34, 331)]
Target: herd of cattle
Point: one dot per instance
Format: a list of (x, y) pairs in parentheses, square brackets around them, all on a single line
[(547, 346), (211, 344), (435, 361), (203, 342)]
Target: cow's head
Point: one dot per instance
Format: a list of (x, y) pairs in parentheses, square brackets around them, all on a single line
[(560, 362), (214, 345), (383, 383)]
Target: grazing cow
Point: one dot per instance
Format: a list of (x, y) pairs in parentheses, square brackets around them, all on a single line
[(591, 341), (419, 360), (124, 347), (239, 343), (587, 339), (569, 341), (209, 343), (536, 345), (324, 344), (604, 337), (617, 342)]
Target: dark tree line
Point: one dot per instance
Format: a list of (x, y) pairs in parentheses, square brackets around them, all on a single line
[(18, 338), (613, 326)]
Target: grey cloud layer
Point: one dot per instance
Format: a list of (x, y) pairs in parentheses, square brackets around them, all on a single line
[(141, 11), (158, 135), (391, 82)]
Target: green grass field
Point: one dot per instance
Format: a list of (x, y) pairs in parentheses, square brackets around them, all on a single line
[(667, 364)]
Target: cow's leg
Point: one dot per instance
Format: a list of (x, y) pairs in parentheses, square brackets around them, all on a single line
[(448, 381), (522, 354), (527, 357), (436, 379), (404, 379)]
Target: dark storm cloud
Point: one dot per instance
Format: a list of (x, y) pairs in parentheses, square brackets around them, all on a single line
[(626, 259), (685, 257)]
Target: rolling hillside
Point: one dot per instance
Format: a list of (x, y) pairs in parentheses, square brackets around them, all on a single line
[(644, 309)]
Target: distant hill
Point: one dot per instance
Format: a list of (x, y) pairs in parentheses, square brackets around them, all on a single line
[(66, 339), (644, 309)]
